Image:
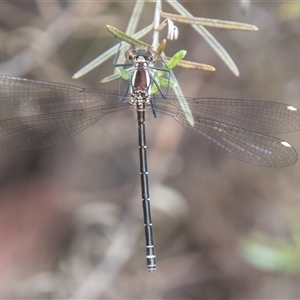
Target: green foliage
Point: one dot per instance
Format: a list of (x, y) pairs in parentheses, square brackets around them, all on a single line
[(271, 254), (131, 36)]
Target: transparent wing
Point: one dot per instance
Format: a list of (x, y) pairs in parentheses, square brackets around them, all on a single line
[(234, 127), (42, 96), (48, 129), (240, 144), (253, 115)]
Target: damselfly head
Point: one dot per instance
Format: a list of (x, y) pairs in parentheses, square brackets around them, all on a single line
[(148, 54)]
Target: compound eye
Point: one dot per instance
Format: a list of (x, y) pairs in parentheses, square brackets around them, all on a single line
[(130, 54), (154, 55)]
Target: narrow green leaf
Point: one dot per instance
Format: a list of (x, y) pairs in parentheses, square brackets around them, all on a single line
[(193, 65), (209, 22), (175, 59), (125, 37)]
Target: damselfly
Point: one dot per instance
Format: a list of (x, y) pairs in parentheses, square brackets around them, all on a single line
[(236, 128)]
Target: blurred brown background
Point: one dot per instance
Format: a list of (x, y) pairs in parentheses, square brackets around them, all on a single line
[(71, 216)]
